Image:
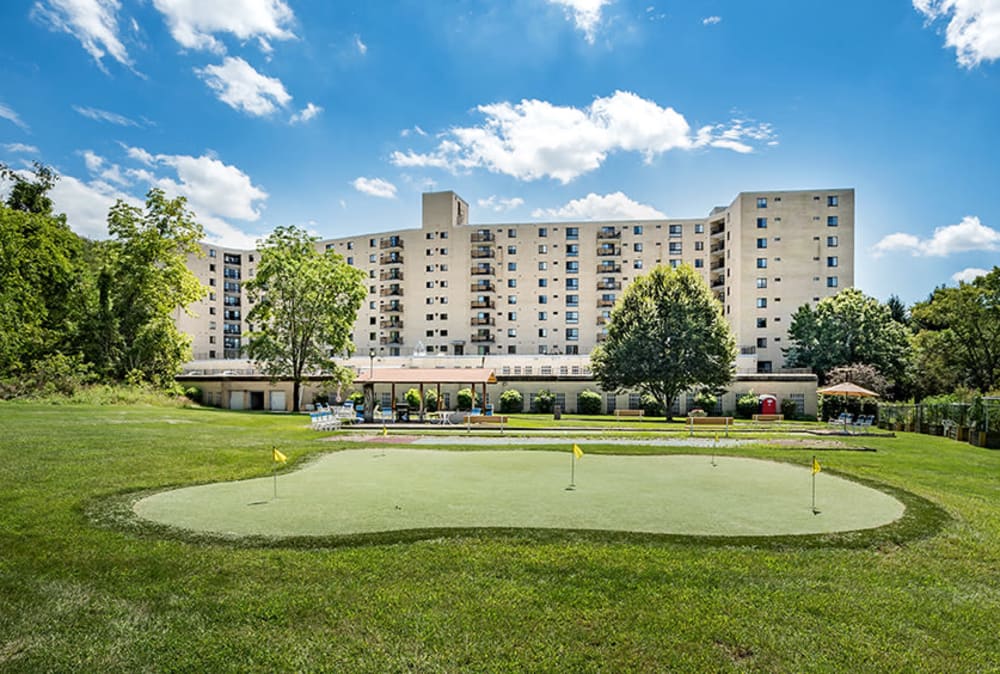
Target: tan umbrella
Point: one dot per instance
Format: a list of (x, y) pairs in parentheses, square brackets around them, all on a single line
[(848, 389)]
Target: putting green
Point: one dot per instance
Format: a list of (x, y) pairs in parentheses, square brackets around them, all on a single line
[(366, 491)]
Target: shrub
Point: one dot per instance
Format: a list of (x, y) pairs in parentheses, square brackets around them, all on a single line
[(590, 403), (789, 409), (321, 399), (747, 405), (357, 397), (651, 406), (431, 400), (194, 393), (707, 401), (464, 398), (511, 402), (412, 398), (545, 401)]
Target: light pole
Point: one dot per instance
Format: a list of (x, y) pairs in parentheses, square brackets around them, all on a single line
[(371, 363)]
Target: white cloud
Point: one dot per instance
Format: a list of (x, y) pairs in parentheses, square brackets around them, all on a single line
[(98, 167), (360, 46), (535, 139), (241, 87), (139, 154), (416, 129), (20, 148), (375, 187), (212, 187), (969, 274), (499, 204), (306, 113), (93, 22), (194, 23), (99, 115), (973, 28), (11, 116), (615, 206), (86, 204), (586, 14), (968, 235), (711, 20)]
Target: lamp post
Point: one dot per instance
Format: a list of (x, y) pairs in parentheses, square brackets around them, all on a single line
[(371, 363)]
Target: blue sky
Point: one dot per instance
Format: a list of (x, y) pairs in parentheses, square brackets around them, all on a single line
[(335, 116)]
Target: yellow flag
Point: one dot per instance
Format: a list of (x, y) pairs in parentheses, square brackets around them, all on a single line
[(278, 456), (816, 467), (577, 452), (385, 431)]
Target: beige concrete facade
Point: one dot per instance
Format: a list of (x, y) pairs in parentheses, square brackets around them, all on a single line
[(455, 289)]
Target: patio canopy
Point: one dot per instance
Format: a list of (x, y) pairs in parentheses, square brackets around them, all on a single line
[(848, 389)]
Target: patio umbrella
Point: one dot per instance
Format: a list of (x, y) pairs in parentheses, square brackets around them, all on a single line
[(848, 389)]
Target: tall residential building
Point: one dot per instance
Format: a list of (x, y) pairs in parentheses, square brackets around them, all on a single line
[(451, 288)]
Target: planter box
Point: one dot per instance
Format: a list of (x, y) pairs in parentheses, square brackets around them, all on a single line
[(961, 433), (937, 429)]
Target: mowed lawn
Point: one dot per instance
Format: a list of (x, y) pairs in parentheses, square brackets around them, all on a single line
[(79, 593)]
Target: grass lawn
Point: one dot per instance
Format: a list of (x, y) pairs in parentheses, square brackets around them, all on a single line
[(76, 594)]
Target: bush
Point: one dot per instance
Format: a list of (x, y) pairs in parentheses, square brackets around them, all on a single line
[(464, 398), (53, 375), (511, 402), (747, 405), (357, 397), (707, 401), (194, 393), (789, 409), (651, 406), (590, 403), (412, 398), (545, 401), (431, 400)]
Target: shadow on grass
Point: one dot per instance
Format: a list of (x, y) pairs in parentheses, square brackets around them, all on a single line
[(921, 519)]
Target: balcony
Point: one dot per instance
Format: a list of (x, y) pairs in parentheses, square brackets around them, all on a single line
[(392, 291), (390, 258), (748, 350), (609, 285), (483, 304), (391, 324), (608, 233), (721, 264), (601, 336), (484, 336), (483, 320), (482, 287), (612, 268), (390, 242), (718, 229), (391, 275), (605, 303), (483, 270), (718, 284), (603, 320), (483, 251), (717, 247), (393, 307), (391, 339), (609, 250), (483, 236)]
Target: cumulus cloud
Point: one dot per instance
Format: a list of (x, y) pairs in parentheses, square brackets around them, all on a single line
[(535, 139), (99, 115), (969, 274), (499, 204), (93, 22), (86, 204), (11, 116), (973, 28), (106, 171), (375, 187), (711, 20), (239, 86), (194, 23), (306, 113), (968, 235), (20, 148), (615, 206), (360, 46), (585, 14)]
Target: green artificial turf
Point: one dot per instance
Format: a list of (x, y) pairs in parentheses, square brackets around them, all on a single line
[(85, 588), (373, 490)]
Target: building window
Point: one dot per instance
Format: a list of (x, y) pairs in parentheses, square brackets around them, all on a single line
[(699, 245), (675, 248), (511, 266), (761, 322), (211, 252), (512, 332), (637, 230), (511, 233), (543, 283), (371, 258), (512, 283), (637, 264), (761, 263), (764, 367), (543, 249), (572, 300), (831, 281), (761, 202), (511, 315), (698, 263), (512, 250), (762, 243), (762, 342), (572, 283), (831, 261), (371, 243), (543, 315), (832, 241), (543, 332), (832, 221), (761, 223), (572, 316), (572, 334), (676, 231), (543, 299), (762, 303), (511, 299), (572, 267), (573, 250), (543, 231), (699, 228), (637, 246), (542, 266), (832, 200), (572, 232)]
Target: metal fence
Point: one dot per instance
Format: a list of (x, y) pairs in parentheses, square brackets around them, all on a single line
[(977, 421)]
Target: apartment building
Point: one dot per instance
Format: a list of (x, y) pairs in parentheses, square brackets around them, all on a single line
[(451, 288)]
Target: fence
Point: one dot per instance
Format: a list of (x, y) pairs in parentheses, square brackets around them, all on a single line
[(977, 422)]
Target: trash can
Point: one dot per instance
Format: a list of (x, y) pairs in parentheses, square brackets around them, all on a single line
[(402, 412), (557, 413), (488, 410)]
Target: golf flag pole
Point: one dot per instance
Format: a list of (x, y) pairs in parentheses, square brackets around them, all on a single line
[(815, 469), (576, 454), (276, 458)]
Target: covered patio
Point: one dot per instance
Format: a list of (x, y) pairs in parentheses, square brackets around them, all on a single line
[(422, 378)]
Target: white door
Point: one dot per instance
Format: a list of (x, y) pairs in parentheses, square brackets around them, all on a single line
[(236, 400), (278, 401)]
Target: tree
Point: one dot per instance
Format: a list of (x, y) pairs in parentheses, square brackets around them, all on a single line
[(898, 310), (306, 303), (861, 374), (666, 335), (959, 335), (142, 282), (844, 329)]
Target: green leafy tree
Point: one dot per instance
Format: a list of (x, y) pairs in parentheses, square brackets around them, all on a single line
[(511, 402), (958, 342), (305, 304), (666, 335), (590, 402), (844, 329), (142, 282), (898, 310), (413, 398), (545, 402)]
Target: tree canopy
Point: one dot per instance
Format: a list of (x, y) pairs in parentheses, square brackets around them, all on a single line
[(305, 304), (845, 329), (666, 335)]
